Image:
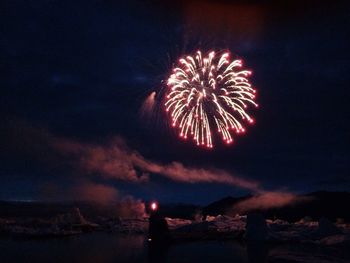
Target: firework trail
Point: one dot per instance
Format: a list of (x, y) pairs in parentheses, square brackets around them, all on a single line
[(207, 91), (148, 105)]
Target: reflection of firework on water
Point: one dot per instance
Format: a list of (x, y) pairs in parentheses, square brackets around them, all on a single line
[(209, 91)]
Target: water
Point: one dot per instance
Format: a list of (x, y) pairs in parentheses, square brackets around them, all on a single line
[(105, 248)]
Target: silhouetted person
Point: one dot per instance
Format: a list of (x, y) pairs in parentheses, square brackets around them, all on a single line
[(158, 230), (255, 236), (158, 237), (256, 228)]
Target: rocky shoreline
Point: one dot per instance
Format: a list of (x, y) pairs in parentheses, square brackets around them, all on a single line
[(251, 228)]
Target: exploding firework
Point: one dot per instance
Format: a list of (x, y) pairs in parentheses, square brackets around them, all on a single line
[(206, 92)]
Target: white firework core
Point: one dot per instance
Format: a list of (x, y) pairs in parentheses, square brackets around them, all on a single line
[(206, 92)]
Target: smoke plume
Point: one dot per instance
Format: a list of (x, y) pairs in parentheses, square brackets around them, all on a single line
[(148, 105), (93, 192), (116, 160), (268, 200)]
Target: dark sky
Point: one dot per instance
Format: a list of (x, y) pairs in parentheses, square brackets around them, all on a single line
[(81, 70)]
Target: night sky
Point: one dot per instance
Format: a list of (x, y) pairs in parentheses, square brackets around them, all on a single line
[(80, 70)]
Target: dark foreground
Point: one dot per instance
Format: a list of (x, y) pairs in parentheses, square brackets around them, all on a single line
[(62, 233), (107, 247)]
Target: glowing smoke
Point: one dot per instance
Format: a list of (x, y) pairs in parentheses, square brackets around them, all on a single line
[(92, 192), (117, 161), (268, 200), (147, 107), (129, 207)]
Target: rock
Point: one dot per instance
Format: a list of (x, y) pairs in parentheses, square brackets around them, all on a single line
[(209, 218), (78, 217), (340, 221), (325, 228), (74, 217), (278, 225), (335, 240), (203, 228), (174, 223), (198, 216), (305, 220), (129, 226)]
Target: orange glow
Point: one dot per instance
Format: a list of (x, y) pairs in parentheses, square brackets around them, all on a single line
[(226, 18)]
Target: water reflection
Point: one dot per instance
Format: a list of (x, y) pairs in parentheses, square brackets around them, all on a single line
[(257, 252), (207, 251), (114, 248), (158, 251), (88, 248)]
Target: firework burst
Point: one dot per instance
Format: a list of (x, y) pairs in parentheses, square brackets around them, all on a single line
[(207, 92)]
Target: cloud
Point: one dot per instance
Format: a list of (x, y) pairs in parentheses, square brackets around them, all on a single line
[(129, 207), (268, 200), (116, 160), (93, 192), (124, 206), (78, 161), (78, 190), (112, 161), (20, 140), (176, 171)]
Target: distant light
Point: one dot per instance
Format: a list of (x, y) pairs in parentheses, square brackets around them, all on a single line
[(154, 206)]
